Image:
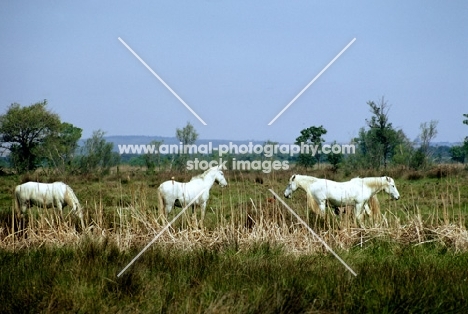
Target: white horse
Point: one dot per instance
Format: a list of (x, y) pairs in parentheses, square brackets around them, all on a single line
[(170, 192), (57, 195), (360, 193)]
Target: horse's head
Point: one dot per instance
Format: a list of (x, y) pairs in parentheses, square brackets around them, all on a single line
[(292, 186), (219, 177), (390, 188)]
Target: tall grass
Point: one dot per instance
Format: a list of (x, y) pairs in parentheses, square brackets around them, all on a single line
[(430, 210), (250, 255)]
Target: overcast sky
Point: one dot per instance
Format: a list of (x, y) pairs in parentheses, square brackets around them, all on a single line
[(237, 64)]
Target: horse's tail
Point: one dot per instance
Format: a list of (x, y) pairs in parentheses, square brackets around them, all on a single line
[(374, 206), (161, 207), (71, 199)]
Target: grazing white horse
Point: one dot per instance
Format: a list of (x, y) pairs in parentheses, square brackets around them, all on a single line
[(171, 191), (358, 192), (57, 195)]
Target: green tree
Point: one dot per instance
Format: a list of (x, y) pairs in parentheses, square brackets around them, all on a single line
[(310, 136), (403, 151), (377, 143), (151, 160), (60, 148), (335, 160), (97, 155), (465, 144), (421, 158), (25, 130), (187, 136), (460, 152)]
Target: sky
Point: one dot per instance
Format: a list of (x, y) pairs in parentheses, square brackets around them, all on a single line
[(237, 64)]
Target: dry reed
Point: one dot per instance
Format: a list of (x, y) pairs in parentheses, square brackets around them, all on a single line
[(245, 214)]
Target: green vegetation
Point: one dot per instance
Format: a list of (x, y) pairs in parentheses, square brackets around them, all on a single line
[(97, 155), (310, 136), (29, 131), (251, 256), (263, 279)]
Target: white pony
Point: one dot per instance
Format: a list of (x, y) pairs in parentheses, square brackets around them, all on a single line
[(48, 195), (358, 192), (170, 192)]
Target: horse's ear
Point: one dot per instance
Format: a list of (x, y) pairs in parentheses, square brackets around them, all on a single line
[(293, 177), (388, 179)]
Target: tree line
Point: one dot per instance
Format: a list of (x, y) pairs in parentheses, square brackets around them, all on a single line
[(33, 137), (379, 144)]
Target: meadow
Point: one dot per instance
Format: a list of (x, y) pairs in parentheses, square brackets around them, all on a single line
[(250, 256)]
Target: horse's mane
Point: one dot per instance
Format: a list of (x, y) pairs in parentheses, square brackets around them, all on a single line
[(305, 181), (202, 175), (374, 182), (198, 176)]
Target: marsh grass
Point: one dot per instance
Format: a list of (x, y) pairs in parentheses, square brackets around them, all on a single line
[(250, 255), (125, 210)]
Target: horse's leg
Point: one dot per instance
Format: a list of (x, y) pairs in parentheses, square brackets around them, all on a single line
[(24, 207), (359, 212), (194, 216), (367, 209), (165, 210), (80, 215), (59, 208), (168, 208), (165, 206), (322, 205), (202, 208)]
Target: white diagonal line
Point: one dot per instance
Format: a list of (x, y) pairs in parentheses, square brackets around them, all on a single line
[(311, 82), (312, 231), (162, 81), (161, 232)]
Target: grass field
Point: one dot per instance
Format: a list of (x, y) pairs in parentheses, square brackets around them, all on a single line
[(251, 255)]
